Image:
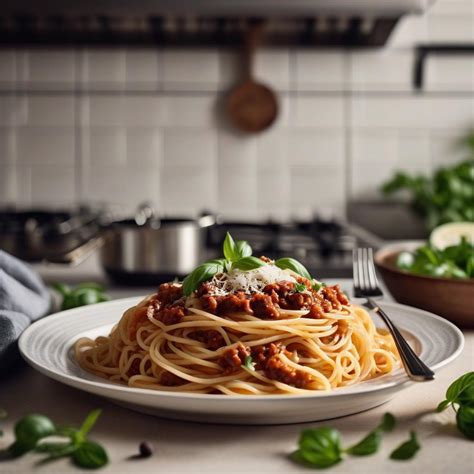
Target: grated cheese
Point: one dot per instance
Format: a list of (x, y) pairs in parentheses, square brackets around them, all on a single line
[(252, 281)]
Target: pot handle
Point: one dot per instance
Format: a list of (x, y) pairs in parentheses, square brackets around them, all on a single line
[(78, 254), (146, 214)]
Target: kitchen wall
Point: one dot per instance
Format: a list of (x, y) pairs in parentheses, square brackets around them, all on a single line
[(124, 125)]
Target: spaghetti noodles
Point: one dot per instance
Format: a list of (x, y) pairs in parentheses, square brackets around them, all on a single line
[(260, 331)]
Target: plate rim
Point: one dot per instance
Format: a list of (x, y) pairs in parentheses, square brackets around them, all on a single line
[(84, 384)]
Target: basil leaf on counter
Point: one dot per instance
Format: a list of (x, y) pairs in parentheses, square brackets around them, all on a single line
[(28, 431), (388, 423), (407, 449), (248, 263), (200, 274), (319, 448), (371, 443), (292, 264), (90, 455), (61, 288), (89, 422), (465, 420), (81, 295), (460, 391), (368, 445)]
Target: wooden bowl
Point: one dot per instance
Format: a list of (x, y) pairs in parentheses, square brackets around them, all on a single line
[(450, 298)]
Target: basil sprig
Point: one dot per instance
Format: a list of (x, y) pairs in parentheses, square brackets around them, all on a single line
[(407, 449), (32, 432), (238, 254), (321, 448), (460, 396), (234, 251)]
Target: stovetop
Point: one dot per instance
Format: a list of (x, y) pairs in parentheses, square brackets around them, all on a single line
[(323, 246)]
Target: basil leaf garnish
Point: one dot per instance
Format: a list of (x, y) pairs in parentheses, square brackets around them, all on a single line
[(243, 248), (200, 274), (407, 449), (230, 249), (300, 287), (292, 264), (248, 263), (249, 363)]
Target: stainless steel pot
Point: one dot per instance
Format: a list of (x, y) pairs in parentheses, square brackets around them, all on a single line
[(148, 250)]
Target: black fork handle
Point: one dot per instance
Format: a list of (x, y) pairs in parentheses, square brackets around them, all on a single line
[(415, 368)]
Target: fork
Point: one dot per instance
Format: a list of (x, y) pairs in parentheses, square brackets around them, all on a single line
[(366, 286)]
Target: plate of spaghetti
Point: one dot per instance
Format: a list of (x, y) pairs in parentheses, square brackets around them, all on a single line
[(242, 339)]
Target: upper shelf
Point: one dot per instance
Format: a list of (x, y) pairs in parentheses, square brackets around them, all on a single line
[(347, 23)]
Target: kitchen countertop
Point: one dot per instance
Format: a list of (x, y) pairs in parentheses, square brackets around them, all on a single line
[(192, 447)]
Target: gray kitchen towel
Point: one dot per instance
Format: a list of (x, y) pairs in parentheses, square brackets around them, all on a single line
[(23, 299)]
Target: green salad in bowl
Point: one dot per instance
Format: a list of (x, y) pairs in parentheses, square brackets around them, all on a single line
[(448, 254)]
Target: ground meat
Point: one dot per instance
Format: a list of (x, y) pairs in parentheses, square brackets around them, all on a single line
[(236, 303), (233, 358), (263, 307), (169, 292), (266, 359), (275, 369), (167, 314), (134, 368), (212, 339), (275, 296), (169, 379)]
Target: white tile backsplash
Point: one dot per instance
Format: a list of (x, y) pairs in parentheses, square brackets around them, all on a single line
[(149, 124), (272, 68), (190, 148), (8, 183), (144, 147), (320, 70), (53, 69), (123, 186), (104, 146), (104, 68), (143, 69), (188, 189), (193, 68), (385, 70), (7, 146), (45, 145), (50, 110), (320, 112), (7, 68)]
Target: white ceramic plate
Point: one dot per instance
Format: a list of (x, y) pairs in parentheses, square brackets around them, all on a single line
[(47, 346)]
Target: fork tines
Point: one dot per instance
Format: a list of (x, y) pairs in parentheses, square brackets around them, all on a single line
[(365, 278)]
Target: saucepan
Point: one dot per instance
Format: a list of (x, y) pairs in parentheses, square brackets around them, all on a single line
[(148, 249)]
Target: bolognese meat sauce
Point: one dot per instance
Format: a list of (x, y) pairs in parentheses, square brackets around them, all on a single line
[(168, 305)]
